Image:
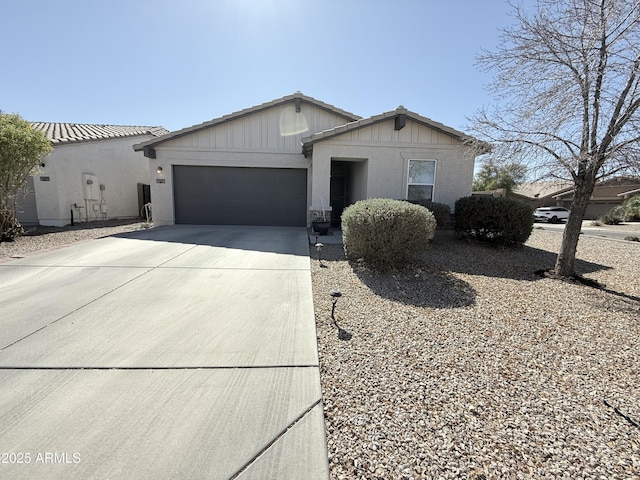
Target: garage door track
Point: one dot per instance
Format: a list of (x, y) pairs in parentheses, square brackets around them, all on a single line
[(176, 352)]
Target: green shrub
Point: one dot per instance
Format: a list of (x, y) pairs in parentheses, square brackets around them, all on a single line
[(385, 232), (10, 227), (632, 209), (441, 211), (608, 219), (495, 220), (614, 216)]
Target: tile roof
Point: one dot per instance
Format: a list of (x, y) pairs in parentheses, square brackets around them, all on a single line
[(308, 142), (60, 133), (248, 111), (630, 192), (543, 189), (560, 187), (627, 184)]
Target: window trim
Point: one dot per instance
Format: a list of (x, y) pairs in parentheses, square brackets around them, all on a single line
[(433, 185)]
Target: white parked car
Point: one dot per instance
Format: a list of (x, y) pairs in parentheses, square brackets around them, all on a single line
[(551, 214)]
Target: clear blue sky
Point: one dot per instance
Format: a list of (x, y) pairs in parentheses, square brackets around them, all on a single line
[(177, 63)]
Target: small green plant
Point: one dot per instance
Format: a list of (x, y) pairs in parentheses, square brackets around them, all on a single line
[(496, 220), (609, 219), (631, 208), (11, 228), (615, 216), (629, 211), (385, 232), (441, 211)]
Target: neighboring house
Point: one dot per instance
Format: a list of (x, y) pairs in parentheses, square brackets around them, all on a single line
[(92, 173), (286, 161), (541, 194), (607, 194), (629, 193)]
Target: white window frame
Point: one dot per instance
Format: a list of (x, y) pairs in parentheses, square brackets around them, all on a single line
[(432, 185)]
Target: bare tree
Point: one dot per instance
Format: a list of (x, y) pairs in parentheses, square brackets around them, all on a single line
[(566, 79)]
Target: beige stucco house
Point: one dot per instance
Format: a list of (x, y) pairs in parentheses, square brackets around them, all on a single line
[(91, 174), (287, 161)]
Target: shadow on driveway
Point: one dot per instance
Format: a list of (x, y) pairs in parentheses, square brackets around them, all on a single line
[(284, 240)]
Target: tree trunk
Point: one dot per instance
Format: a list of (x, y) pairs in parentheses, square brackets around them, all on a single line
[(565, 263)]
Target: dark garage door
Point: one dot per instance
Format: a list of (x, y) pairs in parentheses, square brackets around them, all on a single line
[(240, 196)]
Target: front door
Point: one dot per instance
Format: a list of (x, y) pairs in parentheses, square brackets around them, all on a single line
[(338, 193)]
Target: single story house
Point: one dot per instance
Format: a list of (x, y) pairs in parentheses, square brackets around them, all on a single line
[(607, 194), (541, 194), (91, 174), (291, 160), (629, 193)]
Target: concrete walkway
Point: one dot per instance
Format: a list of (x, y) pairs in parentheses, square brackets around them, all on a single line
[(333, 237), (177, 352)]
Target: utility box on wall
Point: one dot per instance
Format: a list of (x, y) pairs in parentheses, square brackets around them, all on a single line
[(90, 187)]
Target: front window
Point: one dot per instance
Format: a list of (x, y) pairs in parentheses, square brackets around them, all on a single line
[(422, 175)]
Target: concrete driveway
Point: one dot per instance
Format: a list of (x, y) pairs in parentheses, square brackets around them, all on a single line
[(177, 352)]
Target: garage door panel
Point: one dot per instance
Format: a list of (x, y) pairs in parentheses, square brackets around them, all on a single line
[(240, 196), (598, 209)]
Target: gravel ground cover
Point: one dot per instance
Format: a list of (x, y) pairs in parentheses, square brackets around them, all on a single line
[(470, 365), (38, 238)]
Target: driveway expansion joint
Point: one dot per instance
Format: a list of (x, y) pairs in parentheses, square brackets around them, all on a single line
[(275, 439), (95, 299)]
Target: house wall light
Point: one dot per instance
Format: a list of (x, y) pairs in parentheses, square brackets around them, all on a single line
[(159, 170)]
